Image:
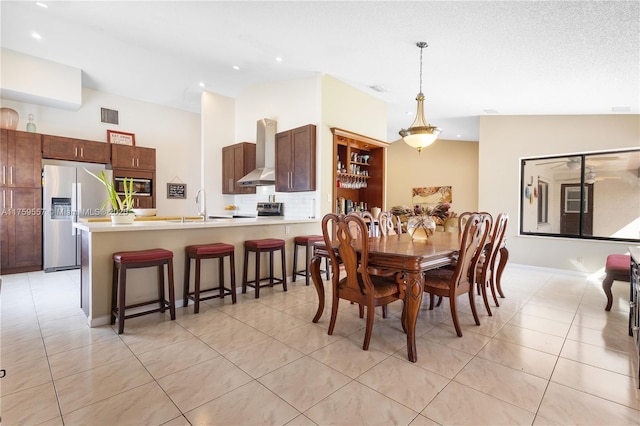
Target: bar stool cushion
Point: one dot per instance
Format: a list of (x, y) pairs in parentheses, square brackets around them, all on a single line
[(152, 255), (267, 243), (209, 249), (308, 239)]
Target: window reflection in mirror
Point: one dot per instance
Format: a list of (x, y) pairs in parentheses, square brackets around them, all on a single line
[(586, 195)]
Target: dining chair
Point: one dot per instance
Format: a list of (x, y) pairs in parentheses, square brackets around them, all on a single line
[(358, 285), (449, 283), (355, 231), (368, 219), (488, 262), (389, 224), (462, 219)]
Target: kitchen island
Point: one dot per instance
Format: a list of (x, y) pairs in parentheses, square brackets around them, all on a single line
[(101, 239)]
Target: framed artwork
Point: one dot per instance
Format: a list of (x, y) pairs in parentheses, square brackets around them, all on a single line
[(121, 138), (431, 195), (177, 190)]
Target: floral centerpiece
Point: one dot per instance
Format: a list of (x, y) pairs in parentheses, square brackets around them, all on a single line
[(121, 206), (420, 220)]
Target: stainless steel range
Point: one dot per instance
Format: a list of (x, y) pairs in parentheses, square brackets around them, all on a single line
[(270, 209)]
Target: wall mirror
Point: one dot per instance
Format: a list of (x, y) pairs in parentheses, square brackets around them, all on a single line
[(585, 195)]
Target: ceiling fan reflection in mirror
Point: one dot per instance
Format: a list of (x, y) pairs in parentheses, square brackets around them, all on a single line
[(590, 176), (574, 163)]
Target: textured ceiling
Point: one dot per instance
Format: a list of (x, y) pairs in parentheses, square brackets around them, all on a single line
[(578, 57)]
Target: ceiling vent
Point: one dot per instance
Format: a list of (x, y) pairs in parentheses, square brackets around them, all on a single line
[(109, 116)]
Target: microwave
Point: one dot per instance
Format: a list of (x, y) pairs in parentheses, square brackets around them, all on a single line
[(141, 187)]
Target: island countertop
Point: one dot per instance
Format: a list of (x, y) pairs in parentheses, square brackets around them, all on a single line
[(100, 239), (189, 223)]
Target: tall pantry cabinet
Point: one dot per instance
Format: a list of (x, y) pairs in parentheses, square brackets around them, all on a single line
[(21, 201)]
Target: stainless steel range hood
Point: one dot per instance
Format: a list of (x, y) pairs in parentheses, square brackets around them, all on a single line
[(264, 173)]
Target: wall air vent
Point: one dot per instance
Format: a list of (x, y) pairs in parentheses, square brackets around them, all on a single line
[(109, 116)]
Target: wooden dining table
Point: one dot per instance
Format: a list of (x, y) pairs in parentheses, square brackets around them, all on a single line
[(400, 253)]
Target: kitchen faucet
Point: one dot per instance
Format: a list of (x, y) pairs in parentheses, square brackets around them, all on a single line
[(202, 212)]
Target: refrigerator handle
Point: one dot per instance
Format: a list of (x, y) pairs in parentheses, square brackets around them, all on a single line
[(75, 202)]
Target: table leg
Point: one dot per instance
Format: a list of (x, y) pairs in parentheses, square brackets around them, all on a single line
[(317, 282), (412, 301), (504, 256)]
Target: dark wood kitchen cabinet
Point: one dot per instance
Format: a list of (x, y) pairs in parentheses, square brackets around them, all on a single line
[(62, 148), (21, 230), (20, 159), (21, 198), (237, 160), (296, 159), (133, 157)]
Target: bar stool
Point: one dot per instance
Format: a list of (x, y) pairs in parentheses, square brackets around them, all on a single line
[(306, 241), (267, 245), (124, 260), (208, 251)]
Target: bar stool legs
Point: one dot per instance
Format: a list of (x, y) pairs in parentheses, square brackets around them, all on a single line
[(140, 259), (259, 246), (307, 242), (208, 251)]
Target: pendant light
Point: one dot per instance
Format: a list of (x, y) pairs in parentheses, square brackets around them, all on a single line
[(421, 133)]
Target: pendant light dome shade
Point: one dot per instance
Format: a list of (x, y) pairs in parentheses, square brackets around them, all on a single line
[(421, 133)]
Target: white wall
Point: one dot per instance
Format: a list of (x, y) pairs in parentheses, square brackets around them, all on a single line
[(218, 120), (504, 140), (347, 108), (29, 79), (174, 133), (292, 104)]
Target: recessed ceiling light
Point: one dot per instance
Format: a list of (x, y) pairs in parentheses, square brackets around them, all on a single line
[(278, 59), (36, 36), (201, 84), (235, 67), (378, 88), (490, 111), (458, 136), (409, 112), (42, 4)]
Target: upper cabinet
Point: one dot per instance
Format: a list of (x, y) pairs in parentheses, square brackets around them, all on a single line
[(237, 160), (61, 148), (359, 171), (296, 159), (20, 159), (133, 157)]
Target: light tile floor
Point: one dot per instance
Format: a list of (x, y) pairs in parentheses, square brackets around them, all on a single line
[(550, 354)]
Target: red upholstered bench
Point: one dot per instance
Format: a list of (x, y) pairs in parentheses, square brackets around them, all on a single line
[(617, 268)]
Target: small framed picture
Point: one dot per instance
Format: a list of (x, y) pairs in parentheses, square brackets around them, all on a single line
[(121, 138), (176, 190)]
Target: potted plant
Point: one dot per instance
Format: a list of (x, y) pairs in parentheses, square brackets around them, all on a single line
[(121, 206)]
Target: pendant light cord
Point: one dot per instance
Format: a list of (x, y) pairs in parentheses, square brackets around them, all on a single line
[(421, 45), (421, 69)]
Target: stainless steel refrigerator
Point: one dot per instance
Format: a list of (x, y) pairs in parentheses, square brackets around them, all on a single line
[(69, 194)]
